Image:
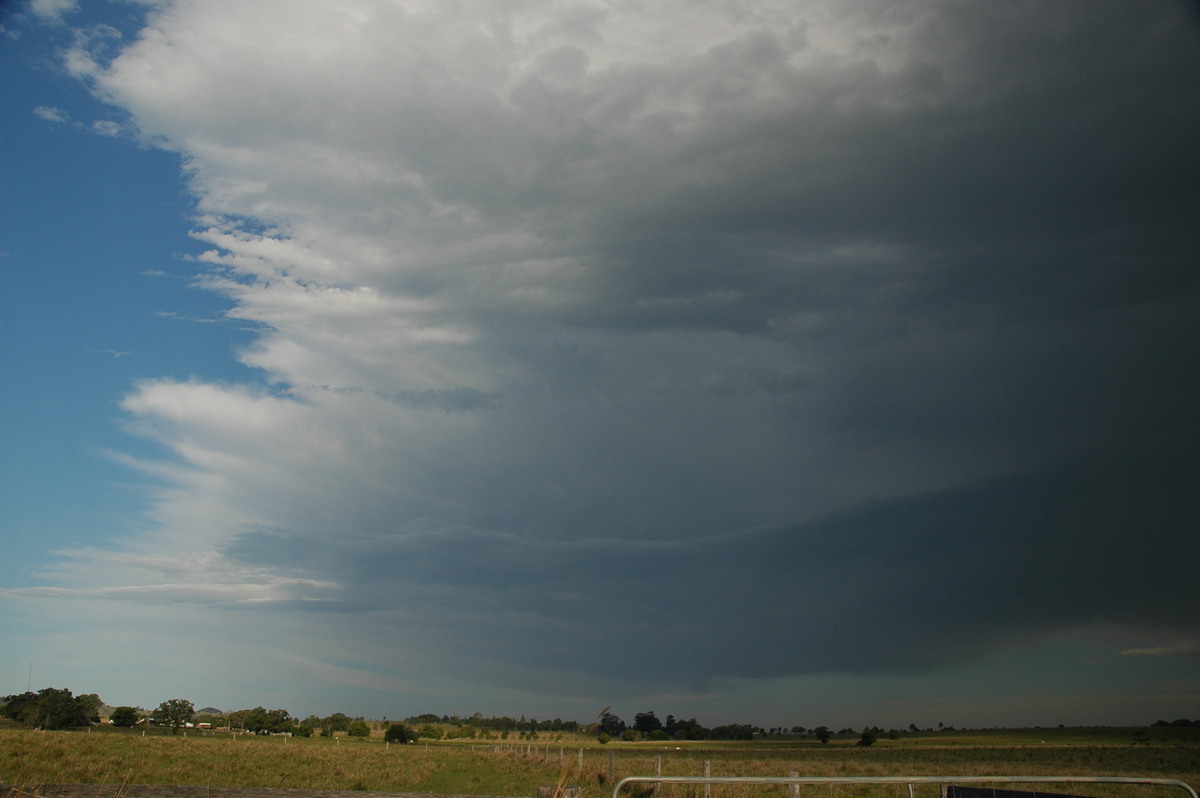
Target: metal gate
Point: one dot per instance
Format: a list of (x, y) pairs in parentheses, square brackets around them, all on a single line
[(945, 781)]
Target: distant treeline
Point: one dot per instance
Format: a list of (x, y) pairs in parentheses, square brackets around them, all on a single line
[(646, 726), (53, 708), (498, 723)]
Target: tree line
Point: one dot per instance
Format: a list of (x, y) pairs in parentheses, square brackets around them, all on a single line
[(55, 708)]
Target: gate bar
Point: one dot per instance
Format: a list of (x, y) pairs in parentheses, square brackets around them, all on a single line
[(909, 780)]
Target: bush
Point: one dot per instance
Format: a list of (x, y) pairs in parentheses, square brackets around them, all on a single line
[(123, 717), (428, 731), (399, 733), (358, 728)]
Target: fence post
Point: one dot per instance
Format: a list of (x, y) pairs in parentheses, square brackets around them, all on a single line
[(707, 773), (794, 789), (579, 769)]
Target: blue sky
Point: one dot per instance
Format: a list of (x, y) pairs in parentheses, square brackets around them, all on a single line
[(774, 363), (96, 278)]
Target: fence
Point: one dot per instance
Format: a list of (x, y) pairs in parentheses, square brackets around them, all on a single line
[(911, 781)]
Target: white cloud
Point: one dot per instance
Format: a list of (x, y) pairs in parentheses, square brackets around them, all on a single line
[(53, 10), (51, 114), (106, 127)]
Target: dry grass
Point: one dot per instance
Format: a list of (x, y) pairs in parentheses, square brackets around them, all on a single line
[(28, 757)]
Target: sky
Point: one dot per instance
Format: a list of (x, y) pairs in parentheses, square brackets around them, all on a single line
[(802, 362)]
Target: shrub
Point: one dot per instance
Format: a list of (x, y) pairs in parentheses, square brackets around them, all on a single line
[(123, 717), (428, 731), (399, 733)]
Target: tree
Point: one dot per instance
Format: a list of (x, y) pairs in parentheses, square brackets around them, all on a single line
[(263, 721), (399, 733), (271, 721), (91, 704), (822, 733), (358, 728), (336, 722), (733, 731), (867, 739), (646, 722), (688, 730), (175, 713), (49, 708), (310, 724), (431, 732), (124, 717), (611, 725)]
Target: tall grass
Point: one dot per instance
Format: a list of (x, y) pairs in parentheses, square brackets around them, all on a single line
[(28, 757)]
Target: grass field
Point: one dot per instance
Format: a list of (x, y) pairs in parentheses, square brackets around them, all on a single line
[(512, 769)]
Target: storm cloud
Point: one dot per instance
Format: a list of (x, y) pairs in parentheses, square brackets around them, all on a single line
[(759, 338)]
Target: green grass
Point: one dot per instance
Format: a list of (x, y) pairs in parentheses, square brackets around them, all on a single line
[(28, 757)]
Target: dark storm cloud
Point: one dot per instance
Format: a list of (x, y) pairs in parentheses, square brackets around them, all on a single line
[(1028, 142), (895, 585)]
